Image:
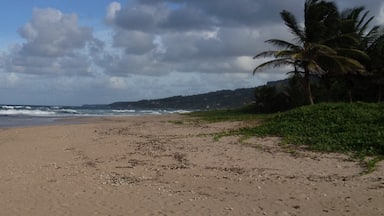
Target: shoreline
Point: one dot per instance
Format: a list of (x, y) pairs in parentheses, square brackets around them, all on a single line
[(7, 122), (149, 165)]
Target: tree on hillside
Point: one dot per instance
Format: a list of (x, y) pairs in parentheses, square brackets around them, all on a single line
[(310, 51)]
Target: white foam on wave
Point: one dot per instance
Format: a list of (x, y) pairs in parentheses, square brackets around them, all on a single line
[(72, 111), (27, 112), (124, 111), (7, 107), (57, 111), (179, 111), (10, 107)]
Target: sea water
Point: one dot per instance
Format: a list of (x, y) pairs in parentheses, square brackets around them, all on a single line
[(27, 115)]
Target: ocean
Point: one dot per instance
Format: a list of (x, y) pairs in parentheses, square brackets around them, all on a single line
[(28, 115)]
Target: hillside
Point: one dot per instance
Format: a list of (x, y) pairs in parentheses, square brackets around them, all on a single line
[(214, 100)]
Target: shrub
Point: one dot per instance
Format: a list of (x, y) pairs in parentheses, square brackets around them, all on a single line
[(357, 127)]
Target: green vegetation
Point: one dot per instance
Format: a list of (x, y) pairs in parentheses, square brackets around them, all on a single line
[(243, 114), (334, 53), (356, 128), (340, 127), (328, 127), (370, 165)]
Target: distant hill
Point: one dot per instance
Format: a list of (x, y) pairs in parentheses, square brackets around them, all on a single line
[(214, 100)]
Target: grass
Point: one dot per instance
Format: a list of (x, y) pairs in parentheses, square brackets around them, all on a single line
[(356, 128), (371, 164), (339, 127), (241, 114)]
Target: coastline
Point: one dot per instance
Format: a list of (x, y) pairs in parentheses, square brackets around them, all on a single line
[(167, 165)]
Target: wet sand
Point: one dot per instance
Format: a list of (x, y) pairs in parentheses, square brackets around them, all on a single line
[(169, 165)]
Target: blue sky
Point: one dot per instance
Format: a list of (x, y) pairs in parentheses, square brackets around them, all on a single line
[(66, 52)]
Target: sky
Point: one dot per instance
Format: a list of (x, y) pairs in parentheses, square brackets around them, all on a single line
[(67, 52)]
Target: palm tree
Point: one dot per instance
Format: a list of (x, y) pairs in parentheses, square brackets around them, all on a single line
[(376, 64), (370, 40), (353, 34), (310, 51)]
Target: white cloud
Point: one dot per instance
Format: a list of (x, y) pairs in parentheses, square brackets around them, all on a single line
[(112, 10), (117, 83), (380, 17), (51, 33), (12, 78), (245, 63), (55, 44)]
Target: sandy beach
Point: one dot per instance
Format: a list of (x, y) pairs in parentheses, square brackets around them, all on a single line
[(170, 165)]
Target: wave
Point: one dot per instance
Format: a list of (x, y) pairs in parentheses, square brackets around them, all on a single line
[(9, 107), (20, 110), (10, 112), (70, 111), (124, 111)]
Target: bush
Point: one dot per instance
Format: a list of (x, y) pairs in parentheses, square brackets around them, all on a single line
[(341, 127), (269, 100)]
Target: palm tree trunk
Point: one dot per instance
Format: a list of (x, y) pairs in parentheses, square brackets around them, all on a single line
[(350, 95), (308, 86), (350, 87)]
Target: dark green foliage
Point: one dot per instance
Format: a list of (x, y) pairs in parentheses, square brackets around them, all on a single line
[(246, 113), (339, 89), (269, 100), (291, 94), (357, 127), (339, 47), (296, 91)]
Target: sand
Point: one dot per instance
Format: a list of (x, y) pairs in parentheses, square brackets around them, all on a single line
[(169, 165)]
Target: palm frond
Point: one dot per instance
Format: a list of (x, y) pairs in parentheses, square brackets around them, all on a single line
[(351, 13), (317, 16), (290, 21), (285, 53), (353, 53), (363, 26), (350, 65), (265, 54), (330, 64), (315, 68), (341, 64), (372, 36), (377, 46), (273, 64), (324, 49), (283, 44), (350, 39)]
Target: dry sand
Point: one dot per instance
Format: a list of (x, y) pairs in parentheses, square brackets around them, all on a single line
[(154, 165)]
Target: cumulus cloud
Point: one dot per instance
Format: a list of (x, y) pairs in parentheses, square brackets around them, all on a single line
[(51, 33), (135, 16), (158, 37), (54, 44), (135, 42), (196, 36)]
